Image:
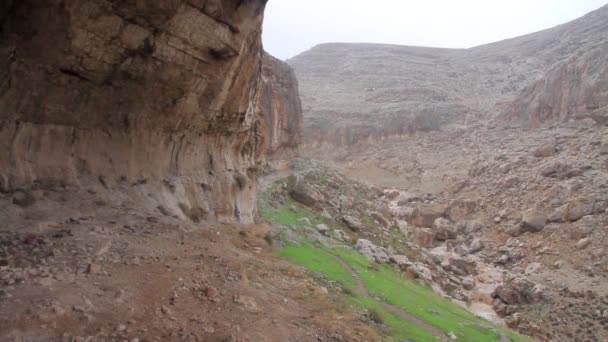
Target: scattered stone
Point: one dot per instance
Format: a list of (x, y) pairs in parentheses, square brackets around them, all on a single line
[(419, 271), (323, 229), (23, 199), (424, 237), (372, 252), (211, 292), (558, 264), (533, 221), (444, 229), (341, 235), (545, 151), (380, 219), (400, 260), (303, 192), (93, 268), (475, 246), (533, 268), (560, 170), (519, 290), (425, 214), (354, 224), (583, 243), (463, 265), (468, 283)]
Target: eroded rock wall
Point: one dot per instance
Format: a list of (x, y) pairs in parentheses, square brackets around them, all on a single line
[(280, 113), (158, 96), (576, 89)]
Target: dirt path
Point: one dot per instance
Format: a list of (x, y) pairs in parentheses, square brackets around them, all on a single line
[(391, 308)]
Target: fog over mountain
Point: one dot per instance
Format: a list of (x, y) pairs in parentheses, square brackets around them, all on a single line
[(292, 27)]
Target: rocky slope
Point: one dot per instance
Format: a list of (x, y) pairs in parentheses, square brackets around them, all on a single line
[(158, 97), (511, 223), (576, 89), (356, 92)]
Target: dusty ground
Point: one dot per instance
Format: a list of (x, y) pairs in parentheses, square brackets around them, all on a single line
[(74, 268)]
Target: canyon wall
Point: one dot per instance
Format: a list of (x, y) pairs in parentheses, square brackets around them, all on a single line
[(280, 114), (157, 99), (576, 89)]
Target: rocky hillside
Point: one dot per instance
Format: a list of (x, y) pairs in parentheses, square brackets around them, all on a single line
[(576, 89), (353, 92)]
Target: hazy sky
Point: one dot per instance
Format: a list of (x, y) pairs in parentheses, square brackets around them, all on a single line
[(294, 26)]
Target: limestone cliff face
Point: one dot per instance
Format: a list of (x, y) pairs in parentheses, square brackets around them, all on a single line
[(157, 98), (574, 90), (280, 113)]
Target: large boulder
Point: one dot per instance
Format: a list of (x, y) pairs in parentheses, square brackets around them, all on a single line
[(302, 192), (372, 252), (519, 290), (419, 271), (353, 223), (400, 260), (425, 214), (463, 265), (460, 210), (572, 212), (546, 150), (533, 221), (445, 229), (560, 170), (380, 219), (424, 237)]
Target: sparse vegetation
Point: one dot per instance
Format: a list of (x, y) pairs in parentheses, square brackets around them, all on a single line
[(388, 286)]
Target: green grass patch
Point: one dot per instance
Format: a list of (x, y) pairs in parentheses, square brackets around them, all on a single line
[(319, 261), (422, 302)]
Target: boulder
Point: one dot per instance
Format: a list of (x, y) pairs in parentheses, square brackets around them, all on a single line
[(400, 260), (533, 221), (380, 219), (533, 268), (545, 151), (560, 170), (23, 199), (353, 223), (303, 192), (572, 212), (425, 214), (584, 227), (468, 283), (341, 235), (463, 265), (578, 210), (519, 290), (475, 246), (469, 227), (583, 243), (461, 209), (445, 229), (424, 237), (419, 271), (323, 229), (372, 252)]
